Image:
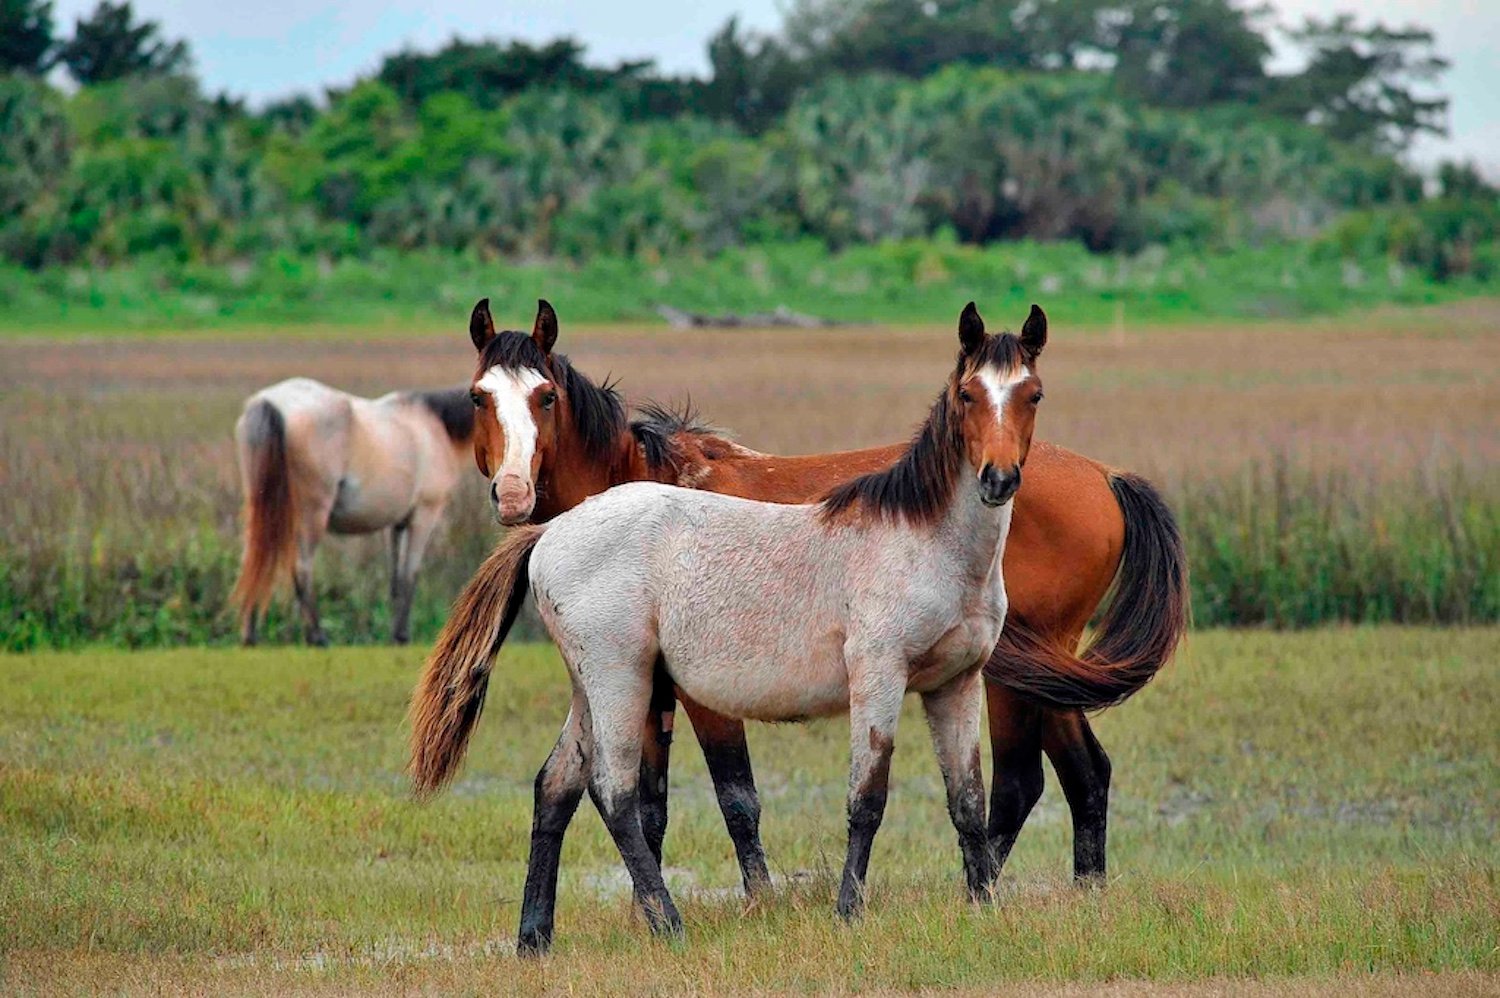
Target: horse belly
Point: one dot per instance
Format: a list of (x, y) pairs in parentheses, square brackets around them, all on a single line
[(757, 675), (379, 486)]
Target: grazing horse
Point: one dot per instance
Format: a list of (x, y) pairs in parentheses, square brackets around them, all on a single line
[(314, 459), (892, 584), (1078, 528)]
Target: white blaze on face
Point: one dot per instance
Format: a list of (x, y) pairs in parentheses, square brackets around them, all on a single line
[(999, 386), (511, 391)]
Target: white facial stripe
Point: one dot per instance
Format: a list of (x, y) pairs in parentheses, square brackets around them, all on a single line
[(511, 391), (999, 388)]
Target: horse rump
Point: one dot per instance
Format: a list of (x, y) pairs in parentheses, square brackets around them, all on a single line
[(1145, 619), (270, 513)]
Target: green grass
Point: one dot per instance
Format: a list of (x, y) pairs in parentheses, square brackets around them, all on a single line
[(1313, 804), (893, 282)]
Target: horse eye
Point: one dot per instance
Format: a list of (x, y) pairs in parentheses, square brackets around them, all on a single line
[(1036, 398), (964, 396), (477, 399), (548, 399)]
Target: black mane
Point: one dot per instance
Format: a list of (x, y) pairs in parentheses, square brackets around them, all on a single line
[(598, 414), (658, 424), (453, 409), (919, 486)]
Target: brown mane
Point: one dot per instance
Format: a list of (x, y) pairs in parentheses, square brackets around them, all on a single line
[(919, 486)]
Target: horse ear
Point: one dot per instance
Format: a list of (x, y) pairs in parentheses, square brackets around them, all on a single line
[(544, 332), (970, 329), (481, 325), (1034, 332)]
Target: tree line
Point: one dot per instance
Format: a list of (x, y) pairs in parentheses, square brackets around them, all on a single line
[(1118, 124)]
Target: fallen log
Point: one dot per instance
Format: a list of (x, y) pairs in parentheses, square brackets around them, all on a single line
[(781, 316)]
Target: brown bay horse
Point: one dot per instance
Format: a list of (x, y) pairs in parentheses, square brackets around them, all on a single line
[(1080, 530), (315, 460)]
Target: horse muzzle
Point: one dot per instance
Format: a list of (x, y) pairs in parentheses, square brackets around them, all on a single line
[(996, 487), (514, 499)]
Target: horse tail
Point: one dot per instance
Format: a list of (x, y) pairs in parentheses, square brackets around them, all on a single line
[(450, 695), (270, 512), (1144, 621)]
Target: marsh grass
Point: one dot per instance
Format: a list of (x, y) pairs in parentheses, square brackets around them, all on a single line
[(1315, 805), (1340, 470)]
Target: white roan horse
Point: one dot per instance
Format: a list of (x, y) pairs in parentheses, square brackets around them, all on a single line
[(314, 460), (763, 611)]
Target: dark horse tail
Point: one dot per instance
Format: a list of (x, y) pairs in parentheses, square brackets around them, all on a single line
[(1145, 619), (270, 513), (450, 695)]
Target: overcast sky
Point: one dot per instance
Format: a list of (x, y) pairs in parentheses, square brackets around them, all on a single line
[(272, 48)]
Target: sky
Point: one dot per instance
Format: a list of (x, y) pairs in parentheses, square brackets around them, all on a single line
[(274, 48)]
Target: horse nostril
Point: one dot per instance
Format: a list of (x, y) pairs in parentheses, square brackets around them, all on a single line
[(495, 493)]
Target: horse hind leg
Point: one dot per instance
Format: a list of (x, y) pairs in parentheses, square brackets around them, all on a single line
[(728, 757), (559, 787), (1083, 770), (619, 694), (656, 755), (310, 531), (953, 719), (1016, 744)]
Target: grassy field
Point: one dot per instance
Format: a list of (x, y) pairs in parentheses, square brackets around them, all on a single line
[(1336, 469), (1302, 810), (892, 282)]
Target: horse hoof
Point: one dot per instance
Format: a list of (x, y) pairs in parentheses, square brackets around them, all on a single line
[(849, 912), (533, 945)]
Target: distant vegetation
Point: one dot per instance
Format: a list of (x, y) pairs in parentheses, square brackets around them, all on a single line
[(1116, 125)]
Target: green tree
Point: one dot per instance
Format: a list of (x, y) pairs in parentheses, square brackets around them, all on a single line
[(1365, 84), (26, 39), (1188, 53), (110, 44)]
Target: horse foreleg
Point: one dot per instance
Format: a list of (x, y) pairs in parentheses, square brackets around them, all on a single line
[(419, 530), (1015, 740), (559, 787), (1083, 770), (953, 719), (728, 757), (874, 710)]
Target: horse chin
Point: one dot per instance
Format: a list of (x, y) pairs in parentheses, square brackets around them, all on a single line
[(514, 518)]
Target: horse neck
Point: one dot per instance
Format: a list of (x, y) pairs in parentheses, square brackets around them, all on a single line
[(974, 534), (575, 474)]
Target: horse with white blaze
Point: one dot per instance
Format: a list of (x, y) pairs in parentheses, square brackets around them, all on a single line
[(891, 584)]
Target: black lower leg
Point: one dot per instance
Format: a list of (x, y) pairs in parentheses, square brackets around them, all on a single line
[(622, 816), (656, 753), (554, 808), (1018, 786), (865, 813), (728, 757), (966, 808), (1083, 770)]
